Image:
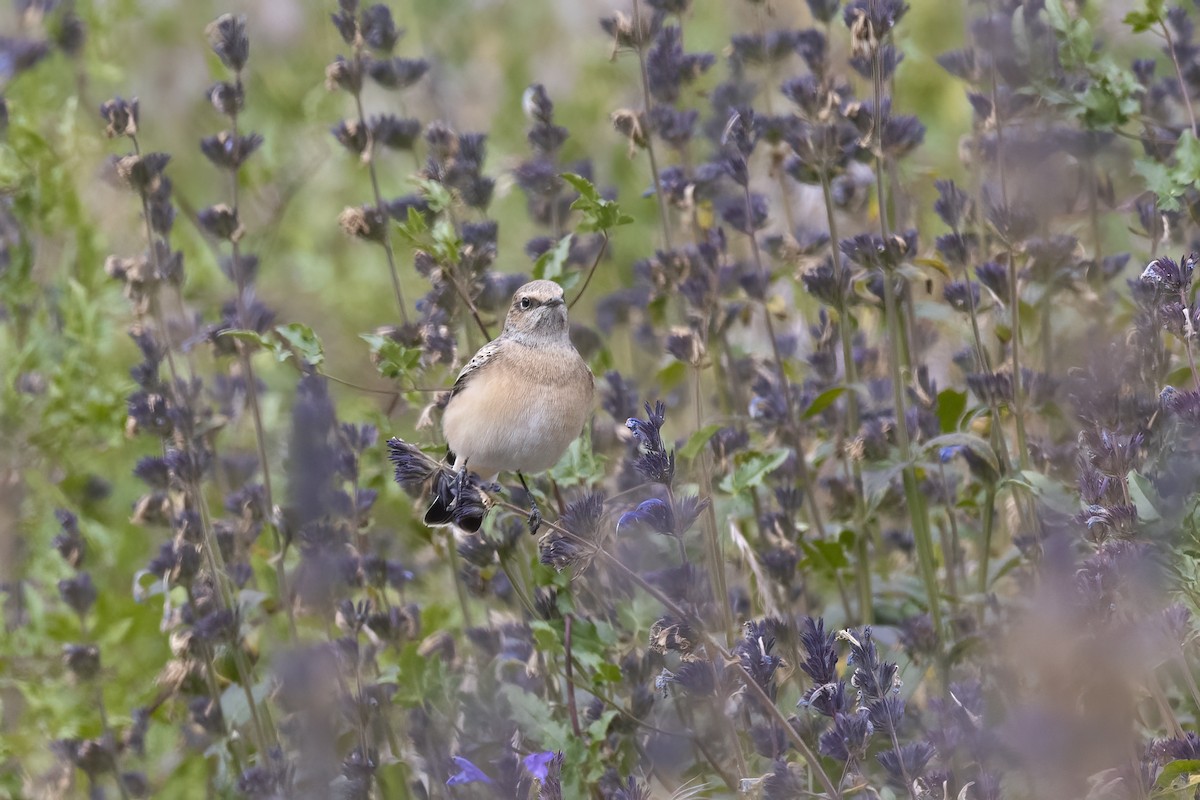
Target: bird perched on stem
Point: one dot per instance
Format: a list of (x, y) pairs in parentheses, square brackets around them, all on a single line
[(518, 403)]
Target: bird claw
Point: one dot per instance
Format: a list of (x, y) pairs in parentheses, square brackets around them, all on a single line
[(460, 486), (535, 517)]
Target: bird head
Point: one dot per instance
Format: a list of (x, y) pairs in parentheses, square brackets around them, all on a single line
[(538, 310)]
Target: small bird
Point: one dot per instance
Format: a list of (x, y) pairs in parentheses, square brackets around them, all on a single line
[(519, 402)]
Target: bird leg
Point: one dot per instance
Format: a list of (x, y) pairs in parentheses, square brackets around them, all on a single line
[(460, 484), (535, 515)]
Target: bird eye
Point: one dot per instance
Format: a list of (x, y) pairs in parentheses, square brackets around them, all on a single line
[(526, 304)]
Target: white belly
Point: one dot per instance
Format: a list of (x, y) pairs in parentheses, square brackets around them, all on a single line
[(514, 424)]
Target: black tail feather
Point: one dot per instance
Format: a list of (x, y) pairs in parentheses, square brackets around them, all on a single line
[(456, 501), (441, 510)]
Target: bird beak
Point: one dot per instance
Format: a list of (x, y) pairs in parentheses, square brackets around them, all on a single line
[(555, 302)]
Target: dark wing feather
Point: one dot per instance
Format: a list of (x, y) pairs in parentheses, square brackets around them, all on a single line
[(477, 362)]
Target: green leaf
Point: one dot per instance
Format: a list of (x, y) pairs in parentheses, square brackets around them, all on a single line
[(1148, 14), (392, 359), (751, 467), (607, 673), (1187, 158), (697, 440), (546, 636), (234, 705), (415, 228), (599, 728), (436, 194), (587, 190), (826, 554), (823, 401), (1144, 496), (876, 482), (1175, 770), (598, 214), (1160, 180), (580, 465), (303, 341), (446, 242), (549, 265), (1047, 490), (951, 404), (672, 375), (265, 342), (534, 716)]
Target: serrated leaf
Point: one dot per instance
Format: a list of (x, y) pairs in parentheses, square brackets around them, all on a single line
[(580, 465), (549, 265), (1175, 770), (269, 343), (1148, 14), (392, 359), (751, 468), (598, 214), (436, 194), (587, 190), (301, 339), (414, 229), (1159, 179)]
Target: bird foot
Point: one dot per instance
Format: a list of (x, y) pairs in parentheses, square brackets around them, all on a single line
[(460, 486)]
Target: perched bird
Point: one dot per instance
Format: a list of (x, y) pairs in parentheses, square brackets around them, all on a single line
[(519, 402)]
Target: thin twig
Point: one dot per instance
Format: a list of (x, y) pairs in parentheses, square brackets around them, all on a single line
[(387, 237), (646, 99), (260, 436), (591, 270), (918, 513), (570, 676), (1183, 87)]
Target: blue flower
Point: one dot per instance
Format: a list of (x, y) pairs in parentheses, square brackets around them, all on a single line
[(652, 514), (947, 454), (468, 773), (538, 764), (652, 461)]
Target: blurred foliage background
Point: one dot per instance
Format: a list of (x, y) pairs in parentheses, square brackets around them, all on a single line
[(64, 354)]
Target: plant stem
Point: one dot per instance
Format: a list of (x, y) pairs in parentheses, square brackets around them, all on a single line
[(715, 559), (387, 235), (591, 270), (791, 428), (459, 589), (1183, 87), (853, 422), (646, 100), (570, 676), (985, 549), (211, 548), (912, 492), (251, 379)]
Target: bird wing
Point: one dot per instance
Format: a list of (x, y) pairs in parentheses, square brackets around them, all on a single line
[(486, 354)]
